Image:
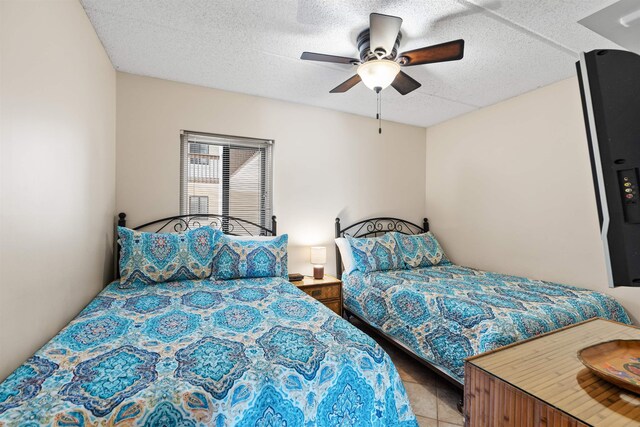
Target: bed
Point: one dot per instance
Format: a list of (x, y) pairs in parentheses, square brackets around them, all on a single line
[(444, 313), (240, 352)]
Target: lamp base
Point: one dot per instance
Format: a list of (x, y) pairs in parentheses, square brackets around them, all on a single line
[(318, 271)]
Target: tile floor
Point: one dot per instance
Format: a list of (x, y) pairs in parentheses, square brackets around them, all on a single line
[(433, 400)]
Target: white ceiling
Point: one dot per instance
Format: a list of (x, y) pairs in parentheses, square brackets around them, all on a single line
[(511, 47)]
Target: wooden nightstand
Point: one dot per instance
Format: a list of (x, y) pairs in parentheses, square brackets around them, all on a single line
[(327, 290)]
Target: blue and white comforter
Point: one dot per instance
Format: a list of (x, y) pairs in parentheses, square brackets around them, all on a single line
[(447, 313), (243, 352)]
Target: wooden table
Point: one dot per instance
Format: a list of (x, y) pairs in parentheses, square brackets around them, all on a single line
[(541, 382)]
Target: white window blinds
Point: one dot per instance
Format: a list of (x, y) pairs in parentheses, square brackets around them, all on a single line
[(198, 205), (227, 175)]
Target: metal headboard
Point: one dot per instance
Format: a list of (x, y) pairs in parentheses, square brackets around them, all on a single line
[(228, 224), (372, 227), (180, 223)]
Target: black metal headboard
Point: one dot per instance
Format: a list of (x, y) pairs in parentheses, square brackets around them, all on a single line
[(228, 224), (372, 227), (180, 223)]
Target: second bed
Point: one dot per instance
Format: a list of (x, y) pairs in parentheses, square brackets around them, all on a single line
[(445, 313)]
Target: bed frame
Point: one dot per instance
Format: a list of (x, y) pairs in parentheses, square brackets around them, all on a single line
[(181, 223), (373, 227)]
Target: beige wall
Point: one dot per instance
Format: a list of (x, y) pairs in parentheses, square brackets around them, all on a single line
[(57, 157), (326, 163), (509, 189)]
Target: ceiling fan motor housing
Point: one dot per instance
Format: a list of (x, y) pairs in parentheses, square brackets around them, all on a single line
[(366, 54)]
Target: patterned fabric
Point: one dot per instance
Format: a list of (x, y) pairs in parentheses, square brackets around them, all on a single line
[(447, 313), (237, 259), (420, 250), (25, 382), (376, 253), (148, 258), (249, 352)]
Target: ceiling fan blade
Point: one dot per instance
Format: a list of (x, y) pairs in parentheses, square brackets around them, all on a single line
[(348, 84), (310, 56), (450, 51), (383, 32), (404, 83)]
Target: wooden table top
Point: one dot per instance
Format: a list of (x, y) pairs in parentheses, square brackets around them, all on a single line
[(310, 281), (547, 367)]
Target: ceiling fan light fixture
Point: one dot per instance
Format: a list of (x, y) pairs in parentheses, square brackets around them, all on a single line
[(378, 73)]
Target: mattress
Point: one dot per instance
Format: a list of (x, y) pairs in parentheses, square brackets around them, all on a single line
[(447, 313), (229, 353)]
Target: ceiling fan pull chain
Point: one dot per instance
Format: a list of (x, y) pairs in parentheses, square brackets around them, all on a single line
[(379, 111)]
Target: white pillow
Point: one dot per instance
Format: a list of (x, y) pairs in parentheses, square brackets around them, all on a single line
[(346, 254)]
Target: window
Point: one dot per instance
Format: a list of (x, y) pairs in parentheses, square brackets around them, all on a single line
[(198, 154), (204, 163), (226, 175), (198, 204)]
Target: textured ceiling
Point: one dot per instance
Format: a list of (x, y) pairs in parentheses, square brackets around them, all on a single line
[(511, 47)]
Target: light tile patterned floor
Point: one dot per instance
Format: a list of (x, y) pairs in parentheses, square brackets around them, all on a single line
[(433, 400)]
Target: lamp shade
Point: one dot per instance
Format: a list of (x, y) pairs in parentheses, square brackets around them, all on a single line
[(318, 255), (378, 73)]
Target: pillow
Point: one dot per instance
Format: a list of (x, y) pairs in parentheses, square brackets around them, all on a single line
[(346, 254), (376, 253), (420, 250), (148, 258), (242, 258)]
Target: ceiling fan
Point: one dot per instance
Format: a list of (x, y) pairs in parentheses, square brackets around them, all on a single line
[(380, 64)]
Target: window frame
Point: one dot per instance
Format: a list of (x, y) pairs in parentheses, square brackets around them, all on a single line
[(227, 143)]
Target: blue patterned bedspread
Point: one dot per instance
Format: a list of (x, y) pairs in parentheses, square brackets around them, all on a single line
[(447, 313), (243, 352)]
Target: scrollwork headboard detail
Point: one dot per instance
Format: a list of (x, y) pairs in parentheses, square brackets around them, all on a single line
[(372, 227), (181, 223)]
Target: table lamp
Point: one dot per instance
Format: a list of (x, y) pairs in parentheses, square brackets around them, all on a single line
[(318, 259)]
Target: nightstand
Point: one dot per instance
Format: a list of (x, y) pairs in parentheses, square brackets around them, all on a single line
[(327, 290)]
